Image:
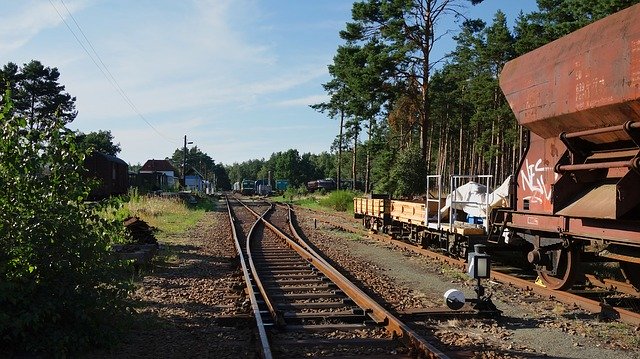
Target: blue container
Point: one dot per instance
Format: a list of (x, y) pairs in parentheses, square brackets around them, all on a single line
[(475, 220)]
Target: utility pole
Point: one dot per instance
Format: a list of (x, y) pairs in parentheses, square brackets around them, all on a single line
[(184, 160)]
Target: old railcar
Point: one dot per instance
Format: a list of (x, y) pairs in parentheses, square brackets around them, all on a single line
[(111, 173), (327, 184), (578, 187)]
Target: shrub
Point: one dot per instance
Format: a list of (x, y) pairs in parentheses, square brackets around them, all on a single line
[(341, 201), (61, 290), (302, 190)]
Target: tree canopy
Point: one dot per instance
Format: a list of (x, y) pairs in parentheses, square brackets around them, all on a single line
[(384, 81), (101, 141), (37, 95)]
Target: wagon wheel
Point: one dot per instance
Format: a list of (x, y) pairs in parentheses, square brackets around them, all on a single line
[(631, 272), (567, 272)]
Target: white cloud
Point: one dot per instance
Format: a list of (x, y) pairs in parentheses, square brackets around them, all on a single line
[(209, 55), (303, 101), (29, 19), (199, 67)]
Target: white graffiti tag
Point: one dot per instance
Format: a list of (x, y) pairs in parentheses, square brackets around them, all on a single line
[(534, 180)]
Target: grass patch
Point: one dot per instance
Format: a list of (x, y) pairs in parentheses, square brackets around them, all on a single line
[(623, 333), (454, 273), (340, 201), (171, 215)]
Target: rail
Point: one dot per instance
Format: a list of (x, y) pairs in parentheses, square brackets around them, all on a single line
[(265, 348), (376, 311), (587, 304)]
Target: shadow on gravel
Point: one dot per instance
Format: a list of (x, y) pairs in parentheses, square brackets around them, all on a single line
[(180, 336), (172, 258)]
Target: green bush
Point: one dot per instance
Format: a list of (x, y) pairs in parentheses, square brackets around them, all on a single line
[(341, 201), (302, 190), (61, 289)]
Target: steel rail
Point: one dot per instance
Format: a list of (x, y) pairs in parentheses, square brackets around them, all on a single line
[(265, 348), (275, 313), (380, 315), (590, 305)]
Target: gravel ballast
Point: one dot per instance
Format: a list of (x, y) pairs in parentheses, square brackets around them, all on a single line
[(191, 304)]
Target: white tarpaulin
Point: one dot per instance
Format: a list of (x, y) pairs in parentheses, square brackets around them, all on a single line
[(474, 198)]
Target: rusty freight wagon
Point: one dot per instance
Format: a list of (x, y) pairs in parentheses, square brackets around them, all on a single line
[(578, 186)]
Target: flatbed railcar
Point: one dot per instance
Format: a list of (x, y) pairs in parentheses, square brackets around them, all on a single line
[(575, 197)]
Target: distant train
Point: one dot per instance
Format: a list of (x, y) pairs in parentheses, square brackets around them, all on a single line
[(575, 198), (327, 184), (245, 187)]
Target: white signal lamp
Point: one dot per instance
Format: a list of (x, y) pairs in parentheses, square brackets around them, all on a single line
[(479, 263)]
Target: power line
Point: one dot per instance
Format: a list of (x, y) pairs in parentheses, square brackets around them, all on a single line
[(103, 69)]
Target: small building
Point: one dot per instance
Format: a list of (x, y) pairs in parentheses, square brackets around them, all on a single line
[(163, 167), (149, 182), (194, 181)]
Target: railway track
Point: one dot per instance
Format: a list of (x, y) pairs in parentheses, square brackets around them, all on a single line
[(302, 305), (613, 299)]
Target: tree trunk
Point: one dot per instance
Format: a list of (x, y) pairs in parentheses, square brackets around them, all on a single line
[(460, 156), (368, 162), (427, 41), (355, 155), (339, 179), (430, 144)]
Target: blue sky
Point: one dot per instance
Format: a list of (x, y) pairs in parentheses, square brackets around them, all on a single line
[(236, 76)]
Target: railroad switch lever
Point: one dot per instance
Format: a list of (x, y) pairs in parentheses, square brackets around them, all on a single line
[(479, 268), (483, 304)]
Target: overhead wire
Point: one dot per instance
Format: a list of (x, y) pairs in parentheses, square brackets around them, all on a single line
[(104, 69)]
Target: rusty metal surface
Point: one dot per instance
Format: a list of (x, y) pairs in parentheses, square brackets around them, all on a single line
[(609, 231), (537, 176), (588, 79), (612, 284), (580, 97), (596, 203)]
